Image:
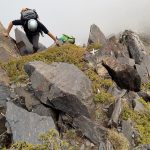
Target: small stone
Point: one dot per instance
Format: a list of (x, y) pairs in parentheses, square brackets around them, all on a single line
[(82, 147), (92, 145)]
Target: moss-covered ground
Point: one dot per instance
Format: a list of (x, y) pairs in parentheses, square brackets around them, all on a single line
[(141, 120)]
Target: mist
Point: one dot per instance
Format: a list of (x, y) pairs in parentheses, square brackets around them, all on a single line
[(75, 17)]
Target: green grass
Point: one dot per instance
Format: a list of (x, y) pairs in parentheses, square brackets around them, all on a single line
[(104, 98), (145, 86), (50, 140), (118, 140), (141, 120), (66, 53)]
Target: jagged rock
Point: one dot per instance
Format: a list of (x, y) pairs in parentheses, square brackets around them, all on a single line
[(26, 126), (106, 146), (117, 92), (2, 126), (23, 44), (139, 53), (142, 147), (64, 122), (5, 140), (8, 47), (125, 76), (32, 104), (96, 36), (133, 98), (89, 129), (144, 69), (126, 61), (128, 131), (116, 113), (4, 77), (44, 111), (138, 106), (146, 61), (94, 60), (61, 86), (145, 38), (30, 100), (144, 95), (119, 49), (4, 55), (135, 46), (4, 95)]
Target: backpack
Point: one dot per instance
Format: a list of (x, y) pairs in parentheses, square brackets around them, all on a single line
[(66, 38), (29, 14)]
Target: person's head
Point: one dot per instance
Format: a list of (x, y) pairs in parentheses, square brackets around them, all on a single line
[(32, 25)]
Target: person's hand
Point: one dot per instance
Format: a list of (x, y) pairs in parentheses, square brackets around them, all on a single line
[(24, 9), (5, 34), (57, 42)]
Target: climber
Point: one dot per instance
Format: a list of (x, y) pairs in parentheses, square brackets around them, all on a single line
[(32, 27)]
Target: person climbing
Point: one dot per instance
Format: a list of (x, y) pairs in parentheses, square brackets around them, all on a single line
[(32, 27)]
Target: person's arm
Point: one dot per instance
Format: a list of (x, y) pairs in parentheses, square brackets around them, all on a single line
[(45, 30), (8, 29), (52, 36), (14, 22)]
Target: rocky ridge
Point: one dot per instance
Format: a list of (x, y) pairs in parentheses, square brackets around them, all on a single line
[(101, 93)]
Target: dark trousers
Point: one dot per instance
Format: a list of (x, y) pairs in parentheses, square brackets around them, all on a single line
[(34, 40)]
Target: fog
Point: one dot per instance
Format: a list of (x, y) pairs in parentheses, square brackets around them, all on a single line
[(74, 17)]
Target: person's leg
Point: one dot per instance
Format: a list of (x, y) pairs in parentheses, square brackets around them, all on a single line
[(30, 38), (35, 42)]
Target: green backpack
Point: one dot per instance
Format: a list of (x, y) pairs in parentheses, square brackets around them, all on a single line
[(66, 38)]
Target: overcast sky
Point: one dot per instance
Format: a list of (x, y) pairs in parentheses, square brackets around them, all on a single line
[(74, 17)]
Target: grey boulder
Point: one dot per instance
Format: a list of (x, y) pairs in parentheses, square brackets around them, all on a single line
[(96, 36), (8, 49), (94, 132), (135, 46), (125, 76), (26, 126), (62, 86)]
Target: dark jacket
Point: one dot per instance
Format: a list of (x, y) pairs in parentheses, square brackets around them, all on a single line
[(40, 27)]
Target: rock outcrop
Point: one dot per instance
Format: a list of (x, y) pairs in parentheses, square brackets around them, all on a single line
[(96, 36), (26, 126), (94, 132), (135, 46), (125, 76), (8, 47), (138, 52), (4, 96), (61, 86)]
